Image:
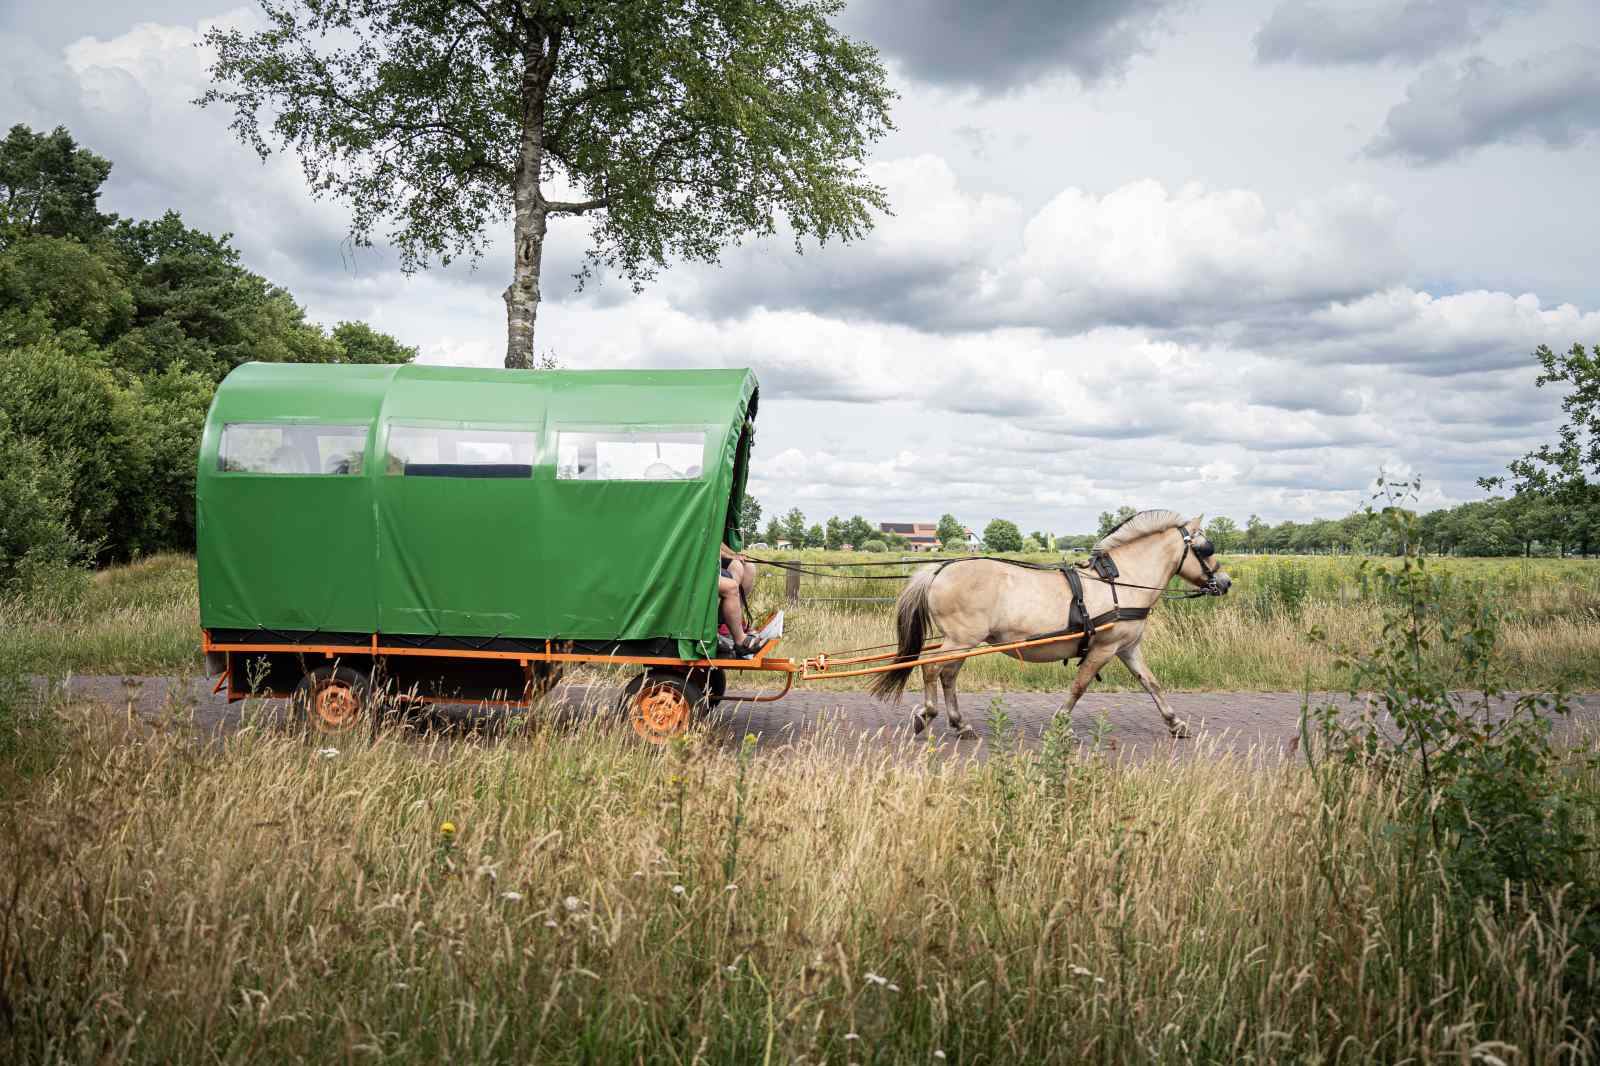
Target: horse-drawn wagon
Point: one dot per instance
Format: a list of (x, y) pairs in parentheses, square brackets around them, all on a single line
[(458, 534), (463, 534)]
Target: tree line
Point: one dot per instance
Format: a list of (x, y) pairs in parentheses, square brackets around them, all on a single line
[(114, 333)]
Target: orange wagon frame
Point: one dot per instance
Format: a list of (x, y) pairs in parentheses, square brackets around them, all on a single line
[(657, 709)]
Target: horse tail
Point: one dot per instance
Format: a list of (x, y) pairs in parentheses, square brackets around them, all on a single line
[(912, 619)]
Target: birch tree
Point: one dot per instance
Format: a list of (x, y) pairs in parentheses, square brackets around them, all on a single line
[(673, 127)]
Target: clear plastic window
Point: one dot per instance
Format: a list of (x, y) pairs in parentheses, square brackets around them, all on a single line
[(433, 451), (277, 448), (624, 455)]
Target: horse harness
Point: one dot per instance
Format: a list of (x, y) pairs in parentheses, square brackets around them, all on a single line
[(1105, 571)]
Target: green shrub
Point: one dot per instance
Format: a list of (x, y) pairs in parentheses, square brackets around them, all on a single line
[(1486, 795), (36, 538), (874, 546)]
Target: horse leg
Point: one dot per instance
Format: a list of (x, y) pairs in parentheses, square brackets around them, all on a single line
[(1133, 658), (929, 709), (952, 706), (1099, 655)]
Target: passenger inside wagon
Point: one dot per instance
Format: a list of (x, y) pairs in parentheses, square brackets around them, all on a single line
[(735, 581)]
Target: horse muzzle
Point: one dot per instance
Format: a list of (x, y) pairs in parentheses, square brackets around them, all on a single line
[(1219, 584)]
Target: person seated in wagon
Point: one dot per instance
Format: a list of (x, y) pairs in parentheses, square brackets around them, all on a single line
[(736, 579)]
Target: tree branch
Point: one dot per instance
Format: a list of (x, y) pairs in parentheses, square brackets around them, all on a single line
[(575, 207)]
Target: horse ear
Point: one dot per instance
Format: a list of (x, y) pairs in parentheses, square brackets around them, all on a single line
[(1196, 522)]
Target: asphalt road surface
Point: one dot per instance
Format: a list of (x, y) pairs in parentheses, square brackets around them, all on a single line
[(1262, 724)]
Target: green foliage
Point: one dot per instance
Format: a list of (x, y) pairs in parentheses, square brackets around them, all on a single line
[(1001, 535), (1278, 590), (750, 518), (951, 530), (833, 539), (1485, 792), (363, 344), (1566, 466), (774, 532), (1110, 520), (794, 528), (815, 536), (36, 534), (73, 406), (57, 284), (874, 546), (683, 124), (49, 186), (1222, 532), (113, 335), (858, 531)]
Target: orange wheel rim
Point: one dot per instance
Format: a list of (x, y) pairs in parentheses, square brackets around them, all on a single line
[(659, 712), (335, 706)]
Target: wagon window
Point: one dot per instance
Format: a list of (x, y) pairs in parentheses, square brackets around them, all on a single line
[(621, 455), (432, 451), (303, 448)]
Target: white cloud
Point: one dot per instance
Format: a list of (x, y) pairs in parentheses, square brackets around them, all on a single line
[(1143, 255)]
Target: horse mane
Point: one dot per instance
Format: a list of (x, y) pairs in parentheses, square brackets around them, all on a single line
[(1141, 524)]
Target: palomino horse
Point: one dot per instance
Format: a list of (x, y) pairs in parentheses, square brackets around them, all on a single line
[(978, 601)]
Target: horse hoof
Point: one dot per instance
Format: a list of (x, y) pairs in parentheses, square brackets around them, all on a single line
[(918, 723), (965, 732), (1180, 732)]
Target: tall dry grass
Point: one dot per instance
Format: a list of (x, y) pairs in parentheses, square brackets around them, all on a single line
[(260, 900)]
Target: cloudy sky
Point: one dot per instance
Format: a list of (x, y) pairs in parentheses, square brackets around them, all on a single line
[(1219, 255)]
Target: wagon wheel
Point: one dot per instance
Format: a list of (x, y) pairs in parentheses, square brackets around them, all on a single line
[(332, 699), (713, 681), (659, 705)]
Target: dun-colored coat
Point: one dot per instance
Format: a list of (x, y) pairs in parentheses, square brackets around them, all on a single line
[(988, 601)]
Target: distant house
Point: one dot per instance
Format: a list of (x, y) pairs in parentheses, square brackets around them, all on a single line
[(922, 536)]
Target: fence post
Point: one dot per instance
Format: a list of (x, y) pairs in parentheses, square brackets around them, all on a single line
[(791, 585)]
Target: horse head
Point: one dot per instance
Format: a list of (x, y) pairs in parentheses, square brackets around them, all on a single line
[(1198, 565)]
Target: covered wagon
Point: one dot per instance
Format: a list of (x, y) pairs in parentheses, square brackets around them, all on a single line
[(461, 533)]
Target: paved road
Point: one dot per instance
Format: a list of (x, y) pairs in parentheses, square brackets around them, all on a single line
[(1264, 723)]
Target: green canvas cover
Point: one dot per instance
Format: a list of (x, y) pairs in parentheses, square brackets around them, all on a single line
[(475, 503)]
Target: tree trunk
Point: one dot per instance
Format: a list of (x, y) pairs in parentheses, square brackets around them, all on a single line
[(522, 295), (530, 212)]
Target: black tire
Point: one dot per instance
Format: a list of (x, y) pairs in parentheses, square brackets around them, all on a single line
[(661, 704), (713, 681), (332, 699)]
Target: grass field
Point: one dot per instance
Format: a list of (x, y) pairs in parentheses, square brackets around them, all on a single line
[(143, 619), (571, 896)]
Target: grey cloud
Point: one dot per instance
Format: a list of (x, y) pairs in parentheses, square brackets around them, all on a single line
[(1551, 99), (1324, 33), (1001, 46)]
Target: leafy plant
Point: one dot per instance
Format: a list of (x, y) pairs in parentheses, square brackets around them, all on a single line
[(1483, 790)]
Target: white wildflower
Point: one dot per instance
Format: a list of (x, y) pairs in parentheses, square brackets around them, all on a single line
[(511, 897), (893, 987), (550, 923), (679, 890), (572, 903), (328, 753), (874, 979), (730, 888), (938, 1053), (1079, 971), (852, 1036)]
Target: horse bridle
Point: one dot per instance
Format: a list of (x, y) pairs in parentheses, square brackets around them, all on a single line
[(1202, 555)]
